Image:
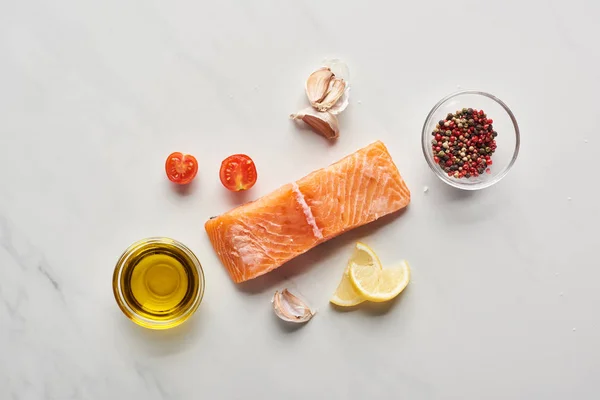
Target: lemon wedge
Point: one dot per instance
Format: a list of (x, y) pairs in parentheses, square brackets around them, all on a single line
[(364, 256), (346, 295), (379, 285)]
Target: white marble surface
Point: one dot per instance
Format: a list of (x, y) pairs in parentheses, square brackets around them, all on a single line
[(95, 94)]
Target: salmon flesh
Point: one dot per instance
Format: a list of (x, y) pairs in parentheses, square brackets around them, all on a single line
[(259, 236)]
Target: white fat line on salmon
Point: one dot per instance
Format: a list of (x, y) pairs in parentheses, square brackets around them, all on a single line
[(310, 218)]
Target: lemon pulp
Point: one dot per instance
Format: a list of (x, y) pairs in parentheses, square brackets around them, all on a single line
[(364, 279), (346, 295), (379, 285)]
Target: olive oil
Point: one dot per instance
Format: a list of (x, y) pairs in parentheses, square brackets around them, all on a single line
[(158, 283)]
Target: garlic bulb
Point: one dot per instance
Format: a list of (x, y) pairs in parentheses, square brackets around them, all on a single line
[(324, 90), (321, 122), (328, 92), (290, 308)]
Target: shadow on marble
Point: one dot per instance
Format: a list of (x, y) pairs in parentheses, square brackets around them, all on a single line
[(162, 342), (235, 199), (183, 190), (304, 262), (372, 309), (380, 309), (453, 194), (289, 327)]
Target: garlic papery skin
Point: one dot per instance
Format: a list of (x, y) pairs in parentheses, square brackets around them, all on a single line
[(323, 123), (341, 71), (339, 68), (290, 308), (342, 103), (317, 85)]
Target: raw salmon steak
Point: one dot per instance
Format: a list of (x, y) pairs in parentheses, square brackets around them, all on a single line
[(259, 236)]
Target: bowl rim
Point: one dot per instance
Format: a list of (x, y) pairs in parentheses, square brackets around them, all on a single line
[(435, 168), (118, 289)]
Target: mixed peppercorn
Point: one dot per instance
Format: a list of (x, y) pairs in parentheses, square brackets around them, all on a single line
[(463, 143)]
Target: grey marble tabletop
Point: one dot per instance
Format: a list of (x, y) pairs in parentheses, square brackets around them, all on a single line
[(94, 95)]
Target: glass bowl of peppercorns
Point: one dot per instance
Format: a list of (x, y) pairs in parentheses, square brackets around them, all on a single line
[(470, 139)]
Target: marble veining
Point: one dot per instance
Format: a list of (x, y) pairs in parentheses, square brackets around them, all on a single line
[(95, 94)]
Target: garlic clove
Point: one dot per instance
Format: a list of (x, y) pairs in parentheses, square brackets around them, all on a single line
[(335, 91), (323, 123), (342, 103), (317, 84), (291, 308)]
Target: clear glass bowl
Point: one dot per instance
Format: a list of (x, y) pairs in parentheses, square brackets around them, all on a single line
[(125, 268), (508, 139)]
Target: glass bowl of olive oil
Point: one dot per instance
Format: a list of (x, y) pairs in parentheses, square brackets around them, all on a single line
[(158, 283)]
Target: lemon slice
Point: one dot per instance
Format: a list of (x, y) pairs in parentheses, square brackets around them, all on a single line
[(364, 256), (378, 285), (346, 295)]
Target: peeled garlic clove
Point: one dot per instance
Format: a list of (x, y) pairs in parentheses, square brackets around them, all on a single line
[(291, 308), (335, 91), (317, 84), (342, 103), (323, 123)]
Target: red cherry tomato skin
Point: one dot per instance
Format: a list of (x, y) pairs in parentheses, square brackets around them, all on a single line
[(238, 172), (181, 168)]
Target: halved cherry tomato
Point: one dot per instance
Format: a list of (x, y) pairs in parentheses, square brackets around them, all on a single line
[(238, 172), (181, 168)]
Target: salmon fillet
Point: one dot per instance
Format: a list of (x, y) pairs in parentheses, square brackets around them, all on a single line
[(259, 236)]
